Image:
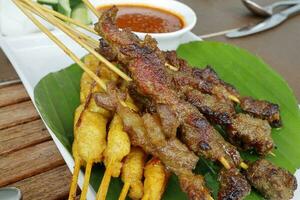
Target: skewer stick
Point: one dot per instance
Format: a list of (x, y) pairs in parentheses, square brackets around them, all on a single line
[(91, 7), (272, 154), (22, 7), (87, 175), (68, 19), (171, 67), (124, 191), (224, 162), (244, 165), (105, 182), (55, 22), (234, 98), (73, 188)]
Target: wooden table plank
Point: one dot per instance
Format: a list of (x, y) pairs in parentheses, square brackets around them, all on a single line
[(17, 114), (22, 136), (28, 162), (51, 185), (13, 94)]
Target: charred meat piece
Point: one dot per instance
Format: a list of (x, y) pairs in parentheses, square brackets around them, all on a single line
[(262, 109), (207, 79), (218, 111), (271, 181), (251, 133), (233, 185), (147, 133), (193, 185), (146, 64)]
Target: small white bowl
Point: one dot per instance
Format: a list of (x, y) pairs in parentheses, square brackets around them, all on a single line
[(167, 40)]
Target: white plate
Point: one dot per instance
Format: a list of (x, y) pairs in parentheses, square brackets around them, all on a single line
[(34, 56)]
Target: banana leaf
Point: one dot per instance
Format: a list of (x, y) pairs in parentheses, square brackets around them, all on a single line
[(57, 96)]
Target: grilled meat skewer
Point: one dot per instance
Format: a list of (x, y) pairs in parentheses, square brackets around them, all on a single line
[(146, 64), (209, 82), (175, 155), (273, 182), (233, 185)]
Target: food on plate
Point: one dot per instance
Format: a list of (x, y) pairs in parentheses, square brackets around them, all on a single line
[(118, 146), (156, 178), (262, 109), (187, 95), (173, 112), (273, 182), (132, 174), (142, 18), (233, 185)]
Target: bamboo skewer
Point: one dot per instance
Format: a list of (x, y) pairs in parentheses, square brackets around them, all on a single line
[(87, 175), (124, 191), (87, 43), (91, 7), (57, 23), (68, 19), (59, 43), (105, 182)]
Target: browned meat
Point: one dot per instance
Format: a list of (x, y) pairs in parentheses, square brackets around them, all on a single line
[(251, 133), (190, 184), (271, 181), (233, 185), (218, 111), (262, 109), (147, 133), (106, 51), (168, 120), (207, 79), (146, 64)]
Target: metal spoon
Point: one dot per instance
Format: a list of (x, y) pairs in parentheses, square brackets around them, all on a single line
[(10, 193), (267, 11)]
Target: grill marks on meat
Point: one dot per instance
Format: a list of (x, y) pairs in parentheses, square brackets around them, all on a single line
[(146, 132), (146, 64), (243, 130), (251, 133), (262, 109), (217, 111), (273, 182), (233, 185)]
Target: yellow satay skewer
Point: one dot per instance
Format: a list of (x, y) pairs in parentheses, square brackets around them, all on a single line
[(118, 146)]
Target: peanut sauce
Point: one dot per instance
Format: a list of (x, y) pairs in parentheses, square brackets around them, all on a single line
[(140, 18)]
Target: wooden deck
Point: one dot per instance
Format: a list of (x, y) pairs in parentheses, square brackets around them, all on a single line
[(29, 158)]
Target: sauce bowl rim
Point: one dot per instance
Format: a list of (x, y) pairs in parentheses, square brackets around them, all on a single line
[(188, 23)]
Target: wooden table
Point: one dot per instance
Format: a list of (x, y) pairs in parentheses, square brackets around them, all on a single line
[(29, 158)]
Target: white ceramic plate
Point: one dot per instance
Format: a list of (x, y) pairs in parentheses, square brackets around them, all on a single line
[(34, 56)]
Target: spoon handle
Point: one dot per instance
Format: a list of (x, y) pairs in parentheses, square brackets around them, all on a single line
[(282, 3), (291, 11)]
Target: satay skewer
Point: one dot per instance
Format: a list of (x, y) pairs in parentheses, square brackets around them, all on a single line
[(73, 56), (118, 146)]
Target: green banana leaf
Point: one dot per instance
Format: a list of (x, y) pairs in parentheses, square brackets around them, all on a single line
[(57, 96)]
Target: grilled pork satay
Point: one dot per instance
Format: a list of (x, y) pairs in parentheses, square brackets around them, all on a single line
[(272, 182), (175, 155), (132, 174), (233, 185), (118, 146), (156, 178), (262, 109), (146, 64)]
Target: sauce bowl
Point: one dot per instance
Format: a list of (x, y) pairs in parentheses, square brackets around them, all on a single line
[(168, 40)]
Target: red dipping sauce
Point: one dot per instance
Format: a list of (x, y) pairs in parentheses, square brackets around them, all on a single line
[(140, 18)]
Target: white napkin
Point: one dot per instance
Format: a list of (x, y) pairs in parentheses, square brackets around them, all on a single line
[(13, 22)]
